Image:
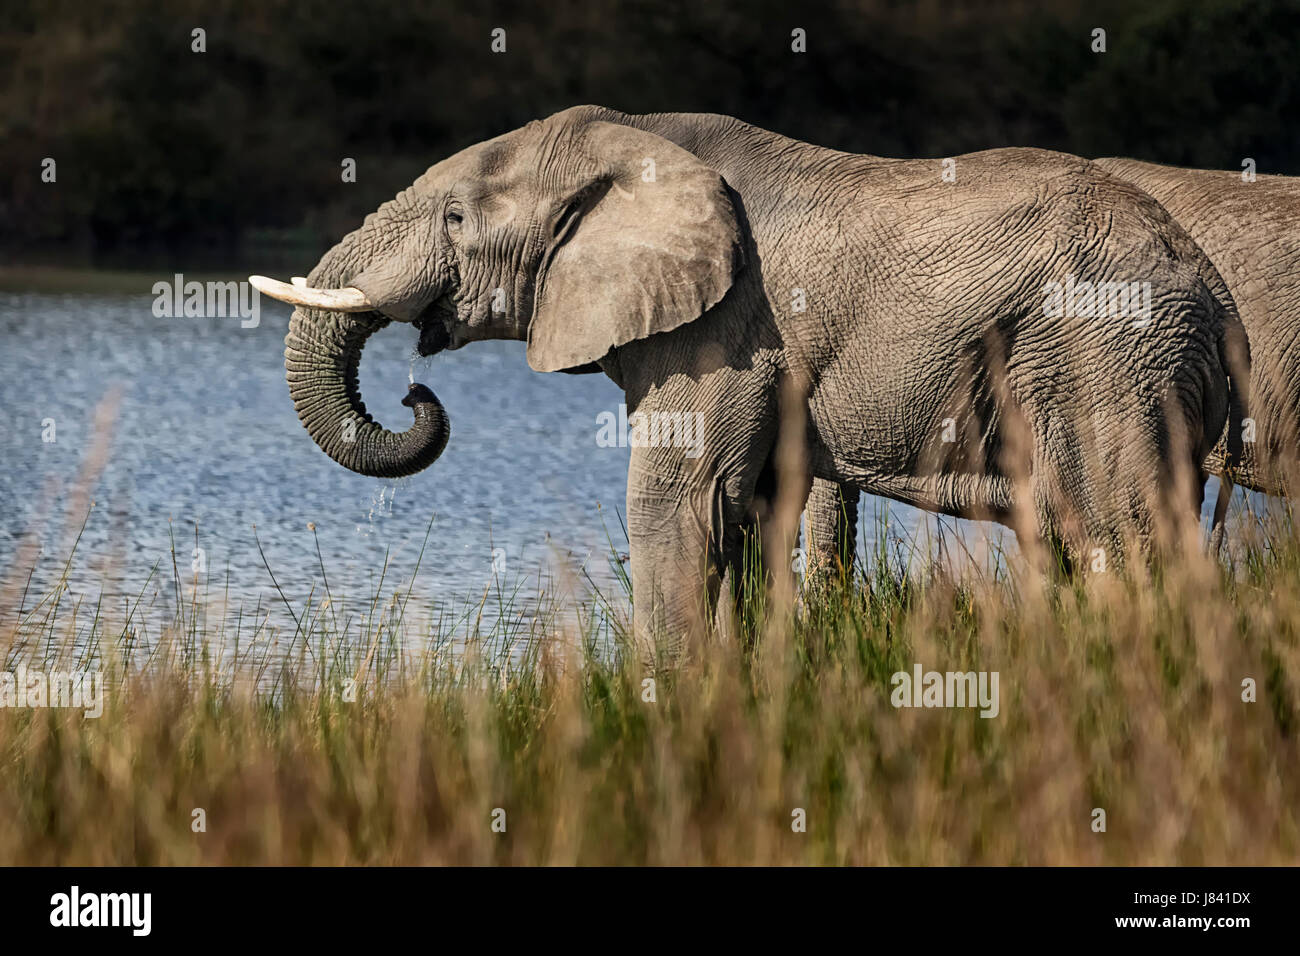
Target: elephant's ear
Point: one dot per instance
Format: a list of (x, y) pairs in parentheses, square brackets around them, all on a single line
[(657, 248)]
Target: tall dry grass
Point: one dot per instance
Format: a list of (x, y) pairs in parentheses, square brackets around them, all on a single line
[(1121, 692)]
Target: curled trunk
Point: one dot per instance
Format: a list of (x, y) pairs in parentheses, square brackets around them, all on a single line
[(322, 356)]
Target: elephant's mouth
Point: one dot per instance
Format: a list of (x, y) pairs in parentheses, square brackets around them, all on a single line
[(434, 334)]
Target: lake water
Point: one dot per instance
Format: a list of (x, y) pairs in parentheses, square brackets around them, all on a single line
[(202, 436), (184, 425)]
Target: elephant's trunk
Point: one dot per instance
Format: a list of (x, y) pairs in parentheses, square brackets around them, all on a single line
[(322, 356)]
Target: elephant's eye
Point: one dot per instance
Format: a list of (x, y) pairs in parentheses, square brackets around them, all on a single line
[(455, 215)]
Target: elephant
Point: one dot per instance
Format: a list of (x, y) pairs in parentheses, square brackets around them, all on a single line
[(1249, 226), (1250, 229), (792, 297)]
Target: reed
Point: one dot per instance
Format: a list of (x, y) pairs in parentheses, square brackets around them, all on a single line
[(361, 732)]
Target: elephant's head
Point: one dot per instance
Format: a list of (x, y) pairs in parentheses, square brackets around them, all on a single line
[(577, 234)]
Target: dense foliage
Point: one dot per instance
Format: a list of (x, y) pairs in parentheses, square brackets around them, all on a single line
[(158, 145)]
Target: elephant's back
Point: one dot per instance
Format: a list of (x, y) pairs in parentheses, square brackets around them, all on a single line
[(1207, 195)]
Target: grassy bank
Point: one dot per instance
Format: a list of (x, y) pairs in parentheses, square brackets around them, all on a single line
[(1123, 694)]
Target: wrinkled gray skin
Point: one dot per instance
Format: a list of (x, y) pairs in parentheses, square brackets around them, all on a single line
[(924, 301), (1251, 232)]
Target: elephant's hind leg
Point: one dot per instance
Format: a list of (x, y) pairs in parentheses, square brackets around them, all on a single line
[(1114, 495), (1066, 521)]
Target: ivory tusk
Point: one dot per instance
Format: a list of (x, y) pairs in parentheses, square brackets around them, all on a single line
[(346, 299)]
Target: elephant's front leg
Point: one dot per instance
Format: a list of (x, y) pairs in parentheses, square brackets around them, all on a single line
[(685, 511), (676, 525), (758, 555)]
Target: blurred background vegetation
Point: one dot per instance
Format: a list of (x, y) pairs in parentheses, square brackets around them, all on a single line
[(161, 149)]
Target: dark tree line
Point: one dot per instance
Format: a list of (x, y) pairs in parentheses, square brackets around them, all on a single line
[(157, 145)]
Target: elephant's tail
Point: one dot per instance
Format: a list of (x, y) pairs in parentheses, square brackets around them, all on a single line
[(1234, 356)]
